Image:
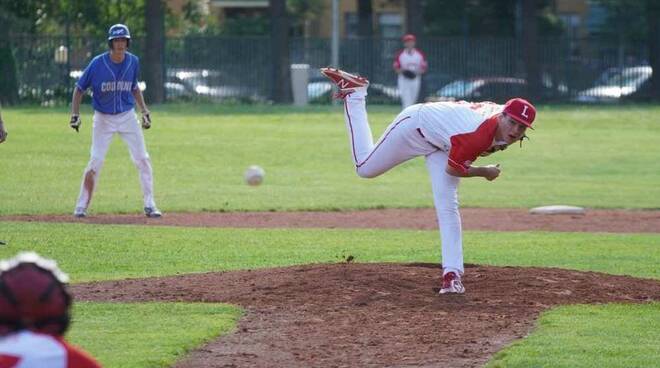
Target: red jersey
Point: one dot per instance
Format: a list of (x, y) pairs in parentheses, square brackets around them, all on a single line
[(26, 349)]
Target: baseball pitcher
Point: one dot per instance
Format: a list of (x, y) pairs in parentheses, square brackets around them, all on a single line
[(450, 135), (112, 76), (409, 64)]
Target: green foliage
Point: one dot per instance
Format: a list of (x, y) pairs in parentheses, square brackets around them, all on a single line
[(147, 334), (626, 20), (246, 25), (482, 18), (303, 12), (9, 84)]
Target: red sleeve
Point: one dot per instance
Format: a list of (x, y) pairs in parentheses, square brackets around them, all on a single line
[(397, 64), (466, 147), (424, 65), (9, 361), (76, 358)]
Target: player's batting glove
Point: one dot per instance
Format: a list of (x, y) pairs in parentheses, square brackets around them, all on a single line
[(75, 122), (146, 120)]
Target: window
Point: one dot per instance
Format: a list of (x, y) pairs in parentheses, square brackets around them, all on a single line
[(390, 25)]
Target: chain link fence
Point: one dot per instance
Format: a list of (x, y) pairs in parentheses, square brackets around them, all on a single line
[(238, 69)]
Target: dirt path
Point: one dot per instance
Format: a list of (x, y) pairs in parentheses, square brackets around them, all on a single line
[(372, 315), (615, 221)]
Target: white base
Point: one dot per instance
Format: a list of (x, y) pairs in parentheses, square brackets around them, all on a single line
[(557, 210)]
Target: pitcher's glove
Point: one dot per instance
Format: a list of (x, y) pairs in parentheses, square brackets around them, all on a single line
[(146, 120), (75, 122), (408, 74)]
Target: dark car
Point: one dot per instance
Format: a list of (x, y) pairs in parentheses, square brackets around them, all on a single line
[(496, 89)]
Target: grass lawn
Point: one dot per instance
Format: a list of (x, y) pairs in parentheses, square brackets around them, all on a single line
[(147, 334), (99, 252), (589, 336), (594, 157), (103, 252)]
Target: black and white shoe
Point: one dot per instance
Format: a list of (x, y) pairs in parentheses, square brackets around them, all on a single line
[(80, 212), (152, 212)]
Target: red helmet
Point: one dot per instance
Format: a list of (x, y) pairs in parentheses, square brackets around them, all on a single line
[(33, 295)]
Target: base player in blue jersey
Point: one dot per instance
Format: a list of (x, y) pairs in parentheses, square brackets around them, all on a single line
[(112, 77)]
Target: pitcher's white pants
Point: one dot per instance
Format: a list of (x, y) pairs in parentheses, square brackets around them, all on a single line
[(401, 142), (409, 90), (105, 126)]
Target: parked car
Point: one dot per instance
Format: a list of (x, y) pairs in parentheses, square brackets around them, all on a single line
[(616, 84), (319, 89), (212, 84), (496, 89)]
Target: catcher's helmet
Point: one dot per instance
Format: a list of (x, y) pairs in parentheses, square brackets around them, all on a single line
[(119, 31), (33, 295)]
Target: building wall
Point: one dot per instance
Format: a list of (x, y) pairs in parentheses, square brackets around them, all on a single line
[(348, 8)]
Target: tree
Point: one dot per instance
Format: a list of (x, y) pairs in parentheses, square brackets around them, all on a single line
[(365, 15), (154, 50), (530, 48), (414, 18), (303, 13), (8, 79), (281, 88), (482, 17), (652, 19), (16, 16)]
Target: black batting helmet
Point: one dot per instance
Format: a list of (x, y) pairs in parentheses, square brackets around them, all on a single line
[(33, 295)]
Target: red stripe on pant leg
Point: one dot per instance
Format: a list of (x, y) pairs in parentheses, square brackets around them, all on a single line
[(350, 128), (381, 142)]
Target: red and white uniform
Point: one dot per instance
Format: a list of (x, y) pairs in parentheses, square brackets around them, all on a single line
[(26, 349), (415, 61), (445, 133)]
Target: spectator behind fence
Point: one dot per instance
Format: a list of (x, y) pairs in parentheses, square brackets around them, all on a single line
[(34, 315), (409, 64), (3, 132)]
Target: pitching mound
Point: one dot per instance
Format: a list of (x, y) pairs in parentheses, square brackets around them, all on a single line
[(361, 315)]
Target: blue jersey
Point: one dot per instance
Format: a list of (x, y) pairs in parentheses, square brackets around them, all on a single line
[(112, 83)]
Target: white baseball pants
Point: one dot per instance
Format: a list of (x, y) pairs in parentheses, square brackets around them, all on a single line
[(105, 126), (409, 90), (402, 141)]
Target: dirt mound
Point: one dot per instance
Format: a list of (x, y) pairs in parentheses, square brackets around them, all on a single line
[(364, 315), (494, 219)]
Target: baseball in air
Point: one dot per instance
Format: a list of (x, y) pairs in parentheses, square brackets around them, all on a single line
[(254, 175)]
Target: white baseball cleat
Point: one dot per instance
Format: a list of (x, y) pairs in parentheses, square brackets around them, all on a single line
[(80, 212), (346, 82), (451, 284), (152, 212)]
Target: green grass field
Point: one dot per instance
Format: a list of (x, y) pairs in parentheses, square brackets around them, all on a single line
[(602, 157), (120, 251), (581, 156), (102, 252)]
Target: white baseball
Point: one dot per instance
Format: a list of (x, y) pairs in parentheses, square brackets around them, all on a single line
[(254, 175)]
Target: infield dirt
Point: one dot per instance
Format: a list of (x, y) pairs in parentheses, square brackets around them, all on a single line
[(487, 219)]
